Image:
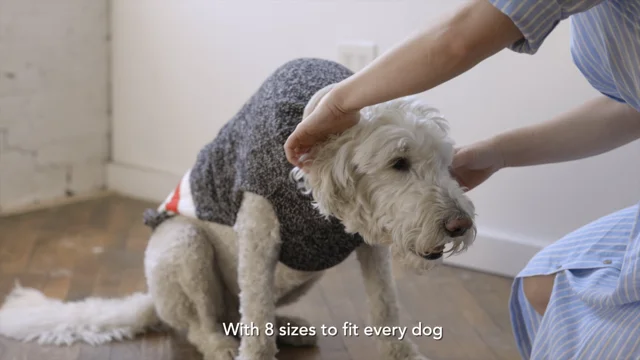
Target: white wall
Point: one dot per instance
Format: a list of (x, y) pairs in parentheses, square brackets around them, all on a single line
[(181, 69), (53, 100)]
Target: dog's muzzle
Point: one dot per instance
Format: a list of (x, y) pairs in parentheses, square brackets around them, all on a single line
[(458, 226), (434, 255), (455, 227)]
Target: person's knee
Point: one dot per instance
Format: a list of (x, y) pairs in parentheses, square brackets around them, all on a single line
[(537, 290)]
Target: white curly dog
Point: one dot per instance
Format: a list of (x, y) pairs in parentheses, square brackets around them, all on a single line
[(398, 195)]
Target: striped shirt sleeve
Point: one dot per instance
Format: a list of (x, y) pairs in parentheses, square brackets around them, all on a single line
[(536, 19)]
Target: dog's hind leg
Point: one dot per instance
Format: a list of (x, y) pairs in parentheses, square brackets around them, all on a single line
[(384, 311), (205, 290), (295, 331), (291, 286), (186, 287), (258, 233)]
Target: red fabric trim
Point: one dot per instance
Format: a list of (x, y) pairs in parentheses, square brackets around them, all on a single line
[(173, 203)]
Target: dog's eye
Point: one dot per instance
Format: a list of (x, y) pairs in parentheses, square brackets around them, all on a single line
[(401, 164)]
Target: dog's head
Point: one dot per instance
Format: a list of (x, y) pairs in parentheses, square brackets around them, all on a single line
[(388, 179)]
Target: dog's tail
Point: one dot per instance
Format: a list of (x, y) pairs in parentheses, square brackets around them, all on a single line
[(28, 315)]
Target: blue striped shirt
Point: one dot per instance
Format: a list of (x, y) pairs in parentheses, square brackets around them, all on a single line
[(594, 309), (605, 39)]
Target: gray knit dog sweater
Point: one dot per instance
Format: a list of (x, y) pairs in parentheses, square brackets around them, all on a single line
[(248, 155)]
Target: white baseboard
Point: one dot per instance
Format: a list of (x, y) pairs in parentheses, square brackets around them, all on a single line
[(499, 255), (495, 255), (140, 183), (55, 202)]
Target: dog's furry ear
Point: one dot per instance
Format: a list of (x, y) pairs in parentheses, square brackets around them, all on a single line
[(330, 178), (315, 99), (330, 175)]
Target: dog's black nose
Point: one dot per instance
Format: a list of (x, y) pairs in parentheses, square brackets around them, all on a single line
[(432, 256), (458, 226)]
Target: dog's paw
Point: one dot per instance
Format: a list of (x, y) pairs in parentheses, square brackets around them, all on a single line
[(294, 331), (223, 348), (412, 356), (417, 357), (257, 348), (400, 350)]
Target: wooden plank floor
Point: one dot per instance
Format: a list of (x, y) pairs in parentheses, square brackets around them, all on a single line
[(95, 248)]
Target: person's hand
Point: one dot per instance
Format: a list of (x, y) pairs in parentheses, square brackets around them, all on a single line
[(475, 163), (323, 118)]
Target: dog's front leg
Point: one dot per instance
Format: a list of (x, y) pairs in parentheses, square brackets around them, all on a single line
[(375, 264), (258, 250)]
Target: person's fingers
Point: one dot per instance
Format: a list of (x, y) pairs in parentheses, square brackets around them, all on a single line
[(455, 162), (313, 129), (462, 157), (290, 147), (298, 144), (459, 177)]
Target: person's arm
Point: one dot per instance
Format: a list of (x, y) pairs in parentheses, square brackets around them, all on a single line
[(594, 128), (444, 51)]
